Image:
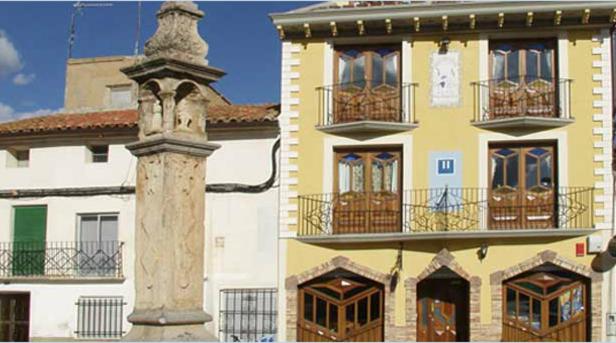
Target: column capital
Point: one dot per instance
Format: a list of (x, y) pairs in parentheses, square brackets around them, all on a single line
[(172, 142)]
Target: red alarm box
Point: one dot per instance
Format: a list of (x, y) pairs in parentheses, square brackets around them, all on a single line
[(580, 249)]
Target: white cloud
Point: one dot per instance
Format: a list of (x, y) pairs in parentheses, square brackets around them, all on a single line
[(23, 79), (7, 113), (10, 61)]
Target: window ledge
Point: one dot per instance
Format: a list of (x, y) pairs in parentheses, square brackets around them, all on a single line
[(523, 122), (367, 126), (417, 236), (60, 279)]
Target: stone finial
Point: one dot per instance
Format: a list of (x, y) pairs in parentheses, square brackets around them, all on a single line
[(177, 36)]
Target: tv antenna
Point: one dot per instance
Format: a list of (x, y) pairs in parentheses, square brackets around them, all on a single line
[(138, 34), (78, 9)]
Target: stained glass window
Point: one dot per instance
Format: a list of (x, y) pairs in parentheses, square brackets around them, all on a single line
[(578, 302), (513, 60), (378, 64), (350, 173)]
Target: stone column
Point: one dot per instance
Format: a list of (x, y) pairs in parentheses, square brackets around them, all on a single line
[(170, 190)]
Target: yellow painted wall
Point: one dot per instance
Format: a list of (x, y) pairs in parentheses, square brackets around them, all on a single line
[(441, 129)]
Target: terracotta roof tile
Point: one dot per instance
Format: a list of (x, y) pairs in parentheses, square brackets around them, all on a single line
[(217, 114)]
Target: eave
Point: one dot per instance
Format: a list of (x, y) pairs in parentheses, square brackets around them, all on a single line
[(416, 19)]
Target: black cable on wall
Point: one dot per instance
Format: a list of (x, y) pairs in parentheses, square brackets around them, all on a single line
[(120, 190)]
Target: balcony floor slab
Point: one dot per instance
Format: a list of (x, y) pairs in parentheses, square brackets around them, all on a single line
[(367, 126), (457, 235), (523, 122), (60, 280)]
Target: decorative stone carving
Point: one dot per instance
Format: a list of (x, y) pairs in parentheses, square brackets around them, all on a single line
[(170, 189), (177, 36)]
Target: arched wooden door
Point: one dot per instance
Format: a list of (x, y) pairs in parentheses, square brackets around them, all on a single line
[(545, 306), (340, 308)]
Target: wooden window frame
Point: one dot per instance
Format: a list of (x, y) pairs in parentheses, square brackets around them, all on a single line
[(523, 47), (366, 51)]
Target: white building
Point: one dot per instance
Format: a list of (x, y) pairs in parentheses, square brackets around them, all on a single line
[(67, 214)]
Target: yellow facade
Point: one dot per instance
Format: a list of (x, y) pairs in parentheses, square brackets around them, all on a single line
[(442, 129)]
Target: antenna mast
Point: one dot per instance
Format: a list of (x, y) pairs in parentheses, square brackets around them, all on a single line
[(138, 34), (77, 9)]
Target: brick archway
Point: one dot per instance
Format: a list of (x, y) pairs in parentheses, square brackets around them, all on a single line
[(443, 259), (292, 283), (493, 332)]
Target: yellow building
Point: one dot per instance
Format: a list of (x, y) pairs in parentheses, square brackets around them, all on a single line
[(446, 171)]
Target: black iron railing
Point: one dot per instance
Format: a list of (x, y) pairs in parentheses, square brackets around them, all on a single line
[(100, 317), (444, 209), (363, 100), (524, 96), (248, 314), (61, 259)]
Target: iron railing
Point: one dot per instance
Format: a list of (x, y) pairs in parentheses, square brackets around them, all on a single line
[(61, 259), (443, 209), (248, 315), (523, 96), (100, 317), (364, 100)]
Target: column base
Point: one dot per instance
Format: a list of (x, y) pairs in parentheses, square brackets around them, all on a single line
[(157, 333)]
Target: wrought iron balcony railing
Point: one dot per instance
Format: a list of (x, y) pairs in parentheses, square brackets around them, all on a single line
[(525, 96), (61, 260), (366, 101), (444, 210)]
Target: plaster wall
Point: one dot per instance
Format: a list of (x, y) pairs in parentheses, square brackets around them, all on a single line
[(244, 225), (445, 129)]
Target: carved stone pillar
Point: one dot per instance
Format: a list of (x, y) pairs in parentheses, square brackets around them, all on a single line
[(170, 190)]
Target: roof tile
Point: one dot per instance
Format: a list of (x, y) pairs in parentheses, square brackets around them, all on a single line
[(217, 114)]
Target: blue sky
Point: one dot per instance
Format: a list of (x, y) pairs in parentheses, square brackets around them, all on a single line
[(34, 43)]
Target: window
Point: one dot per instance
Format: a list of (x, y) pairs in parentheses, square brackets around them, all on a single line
[(368, 66), (523, 60), (18, 158), (120, 96), (100, 317), (98, 153), (98, 248), (248, 315)]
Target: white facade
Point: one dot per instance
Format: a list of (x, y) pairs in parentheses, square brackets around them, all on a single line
[(241, 229)]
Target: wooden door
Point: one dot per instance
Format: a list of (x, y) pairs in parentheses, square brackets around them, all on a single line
[(523, 78), (442, 311), (522, 192), (329, 313), (544, 307), (367, 84), (367, 196), (14, 317), (29, 232)]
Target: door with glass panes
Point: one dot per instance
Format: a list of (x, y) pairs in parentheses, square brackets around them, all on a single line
[(367, 191), (523, 78), (98, 244), (340, 309), (367, 84), (522, 192)]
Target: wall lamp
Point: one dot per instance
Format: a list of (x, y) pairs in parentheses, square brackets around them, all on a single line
[(482, 252), (444, 45)]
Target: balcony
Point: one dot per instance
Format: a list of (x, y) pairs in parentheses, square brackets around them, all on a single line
[(48, 261), (453, 213), (527, 103), (360, 108)]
